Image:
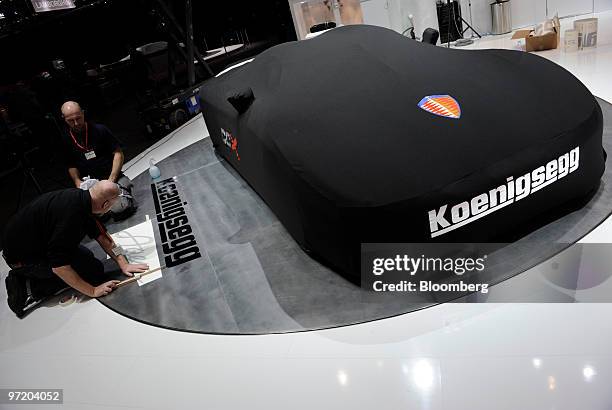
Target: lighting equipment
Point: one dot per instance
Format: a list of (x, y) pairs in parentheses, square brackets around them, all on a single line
[(410, 28), (451, 22)]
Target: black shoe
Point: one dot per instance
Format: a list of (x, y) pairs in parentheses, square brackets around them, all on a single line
[(20, 298), (42, 289)]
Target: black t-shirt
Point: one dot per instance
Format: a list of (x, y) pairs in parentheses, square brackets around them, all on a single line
[(50, 228), (94, 138)]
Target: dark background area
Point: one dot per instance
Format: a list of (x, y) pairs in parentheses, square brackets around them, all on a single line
[(131, 97), (100, 32)]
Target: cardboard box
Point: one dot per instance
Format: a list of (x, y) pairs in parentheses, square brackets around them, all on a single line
[(539, 43), (587, 32), (571, 40)]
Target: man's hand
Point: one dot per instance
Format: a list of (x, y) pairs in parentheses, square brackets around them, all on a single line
[(105, 288), (75, 176), (129, 269)]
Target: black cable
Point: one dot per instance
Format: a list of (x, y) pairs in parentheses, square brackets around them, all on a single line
[(448, 4), (455, 21), (412, 35)]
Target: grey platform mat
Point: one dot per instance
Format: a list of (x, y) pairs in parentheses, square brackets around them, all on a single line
[(253, 278)]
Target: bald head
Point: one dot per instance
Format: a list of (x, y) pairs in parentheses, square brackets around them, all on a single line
[(70, 107), (103, 196), (73, 115)]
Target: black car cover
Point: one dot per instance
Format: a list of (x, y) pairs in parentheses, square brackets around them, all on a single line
[(363, 135)]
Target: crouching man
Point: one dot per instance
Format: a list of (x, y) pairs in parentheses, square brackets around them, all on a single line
[(42, 246), (93, 152)]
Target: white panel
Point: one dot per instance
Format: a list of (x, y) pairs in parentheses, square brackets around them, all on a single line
[(138, 241), (540, 11), (395, 17), (296, 15), (603, 5), (376, 13), (525, 12), (569, 7)]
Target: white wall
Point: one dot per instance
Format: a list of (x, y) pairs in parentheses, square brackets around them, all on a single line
[(424, 12), (603, 5), (525, 13), (569, 7), (376, 12), (528, 12)]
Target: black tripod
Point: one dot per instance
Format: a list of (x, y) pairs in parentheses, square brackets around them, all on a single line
[(28, 175), (20, 156), (453, 20)]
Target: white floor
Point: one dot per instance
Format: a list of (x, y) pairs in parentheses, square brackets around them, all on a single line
[(454, 356), (591, 66)]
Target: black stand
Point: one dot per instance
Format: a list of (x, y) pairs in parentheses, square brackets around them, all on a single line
[(28, 176), (28, 157), (28, 168), (469, 27), (451, 10), (185, 35)]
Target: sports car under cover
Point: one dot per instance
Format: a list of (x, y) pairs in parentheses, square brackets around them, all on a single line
[(363, 135)]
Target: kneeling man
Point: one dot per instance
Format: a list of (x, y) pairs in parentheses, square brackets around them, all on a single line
[(93, 152)]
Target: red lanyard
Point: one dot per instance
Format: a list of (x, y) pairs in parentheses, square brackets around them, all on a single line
[(83, 148)]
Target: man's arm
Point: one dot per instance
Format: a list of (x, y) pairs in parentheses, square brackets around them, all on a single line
[(107, 243), (69, 275), (117, 165), (75, 176)]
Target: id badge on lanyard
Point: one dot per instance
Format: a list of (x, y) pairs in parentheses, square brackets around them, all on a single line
[(89, 153)]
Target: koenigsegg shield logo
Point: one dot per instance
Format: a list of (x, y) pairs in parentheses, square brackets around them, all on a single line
[(442, 105)]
